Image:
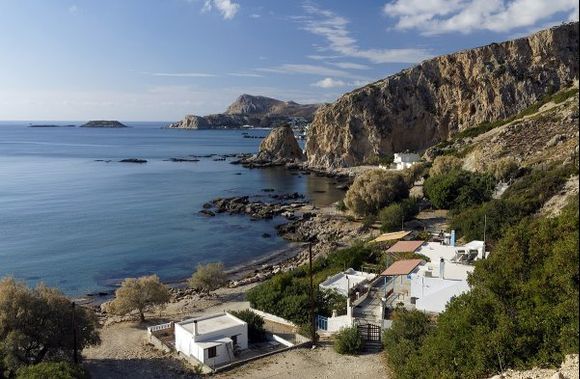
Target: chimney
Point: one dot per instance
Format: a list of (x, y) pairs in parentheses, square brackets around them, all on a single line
[(195, 328), (442, 268)]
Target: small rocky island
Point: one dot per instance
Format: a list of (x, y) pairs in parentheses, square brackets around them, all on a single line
[(103, 124)]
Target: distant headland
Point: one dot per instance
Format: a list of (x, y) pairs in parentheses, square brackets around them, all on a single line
[(103, 124)]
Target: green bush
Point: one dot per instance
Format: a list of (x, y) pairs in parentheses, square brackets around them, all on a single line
[(391, 218), (407, 332), (373, 190), (52, 370), (348, 341), (256, 331), (458, 189), (340, 206), (522, 310)]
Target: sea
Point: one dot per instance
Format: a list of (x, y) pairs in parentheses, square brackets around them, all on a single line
[(73, 217)]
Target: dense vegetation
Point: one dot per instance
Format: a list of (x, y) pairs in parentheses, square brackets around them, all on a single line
[(523, 198), (522, 310), (348, 341), (36, 326), (287, 294), (458, 189), (256, 331), (375, 189)]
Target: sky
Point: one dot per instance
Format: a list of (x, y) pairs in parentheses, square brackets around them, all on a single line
[(158, 60)]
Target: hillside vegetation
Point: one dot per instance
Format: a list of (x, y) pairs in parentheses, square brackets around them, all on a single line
[(522, 310)]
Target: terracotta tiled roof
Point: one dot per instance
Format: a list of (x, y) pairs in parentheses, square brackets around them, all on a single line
[(404, 267), (405, 247)]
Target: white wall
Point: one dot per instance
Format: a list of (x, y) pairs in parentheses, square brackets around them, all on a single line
[(184, 343), (337, 323)]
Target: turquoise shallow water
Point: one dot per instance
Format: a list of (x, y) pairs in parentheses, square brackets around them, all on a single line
[(83, 225)]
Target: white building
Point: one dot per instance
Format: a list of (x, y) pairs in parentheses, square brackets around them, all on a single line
[(434, 284), (212, 340), (348, 281), (405, 160)]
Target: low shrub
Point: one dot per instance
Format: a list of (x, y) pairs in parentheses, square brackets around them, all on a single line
[(348, 341), (57, 370)]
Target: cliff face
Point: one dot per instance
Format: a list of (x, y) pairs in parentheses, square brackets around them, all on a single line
[(430, 102), (258, 111), (280, 144)]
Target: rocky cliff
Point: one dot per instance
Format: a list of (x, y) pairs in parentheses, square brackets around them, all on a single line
[(430, 102), (258, 111), (280, 144)]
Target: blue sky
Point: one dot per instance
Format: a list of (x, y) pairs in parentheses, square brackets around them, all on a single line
[(162, 59)]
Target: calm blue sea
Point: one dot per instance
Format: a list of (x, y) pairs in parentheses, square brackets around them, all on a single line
[(83, 225)]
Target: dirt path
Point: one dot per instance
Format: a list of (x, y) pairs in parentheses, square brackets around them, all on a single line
[(323, 362)]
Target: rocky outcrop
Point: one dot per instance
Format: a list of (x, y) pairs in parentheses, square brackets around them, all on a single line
[(430, 102), (257, 111), (103, 124), (280, 145)]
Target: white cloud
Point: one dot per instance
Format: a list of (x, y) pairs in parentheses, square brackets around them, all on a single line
[(329, 83), (182, 74), (255, 15), (351, 66), (245, 75), (465, 16), (309, 70), (73, 9), (227, 8), (333, 28)]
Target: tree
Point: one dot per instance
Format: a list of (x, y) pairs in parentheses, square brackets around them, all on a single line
[(373, 190), (348, 341), (505, 169), (139, 294), (208, 277), (256, 331), (36, 325)]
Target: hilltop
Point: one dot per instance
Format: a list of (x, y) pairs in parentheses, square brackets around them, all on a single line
[(258, 111), (443, 96)]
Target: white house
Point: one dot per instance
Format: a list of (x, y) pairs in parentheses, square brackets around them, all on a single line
[(212, 340), (434, 284), (405, 160), (348, 281)]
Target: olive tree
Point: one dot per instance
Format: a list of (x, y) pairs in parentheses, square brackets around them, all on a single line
[(373, 190), (36, 325), (208, 277), (139, 294)]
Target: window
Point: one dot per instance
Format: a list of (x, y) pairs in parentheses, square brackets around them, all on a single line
[(212, 352), (234, 340)]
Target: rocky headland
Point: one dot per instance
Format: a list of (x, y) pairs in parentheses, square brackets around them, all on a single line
[(256, 111), (440, 97)]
